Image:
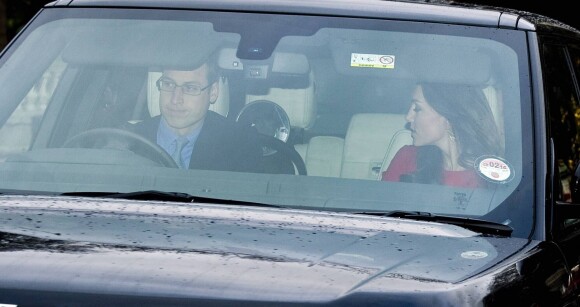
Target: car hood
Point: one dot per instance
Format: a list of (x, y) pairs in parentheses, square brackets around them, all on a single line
[(208, 251)]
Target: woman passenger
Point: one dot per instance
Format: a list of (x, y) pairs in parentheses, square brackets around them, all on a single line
[(452, 126)]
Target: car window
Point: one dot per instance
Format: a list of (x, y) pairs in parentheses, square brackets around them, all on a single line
[(323, 113), (22, 125), (563, 105), (564, 109)]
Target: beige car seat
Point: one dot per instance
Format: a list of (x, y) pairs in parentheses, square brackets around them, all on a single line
[(372, 139)]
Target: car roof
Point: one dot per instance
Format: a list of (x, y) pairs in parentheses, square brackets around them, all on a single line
[(439, 11), (364, 8)]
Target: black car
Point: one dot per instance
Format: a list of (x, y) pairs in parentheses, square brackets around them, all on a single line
[(244, 153)]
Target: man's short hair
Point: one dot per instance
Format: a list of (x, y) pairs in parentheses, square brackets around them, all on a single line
[(213, 71)]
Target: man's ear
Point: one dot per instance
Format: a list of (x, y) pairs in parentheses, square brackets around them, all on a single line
[(214, 92)]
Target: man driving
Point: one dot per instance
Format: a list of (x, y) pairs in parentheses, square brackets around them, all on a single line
[(194, 136)]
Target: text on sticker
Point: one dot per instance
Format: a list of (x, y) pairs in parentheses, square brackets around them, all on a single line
[(372, 60)]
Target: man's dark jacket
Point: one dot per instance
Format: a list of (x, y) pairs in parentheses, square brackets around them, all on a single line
[(222, 145)]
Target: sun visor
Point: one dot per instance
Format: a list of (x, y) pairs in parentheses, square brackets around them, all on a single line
[(279, 63), (453, 64), (177, 47)]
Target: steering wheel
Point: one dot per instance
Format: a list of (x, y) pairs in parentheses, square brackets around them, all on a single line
[(273, 126), (267, 118), (285, 149), (121, 139)]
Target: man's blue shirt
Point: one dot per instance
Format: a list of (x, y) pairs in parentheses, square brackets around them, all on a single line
[(167, 139)]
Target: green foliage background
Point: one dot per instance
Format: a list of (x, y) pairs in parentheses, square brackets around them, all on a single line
[(14, 14)]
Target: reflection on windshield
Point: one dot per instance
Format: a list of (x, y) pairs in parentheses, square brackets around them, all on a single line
[(363, 117)]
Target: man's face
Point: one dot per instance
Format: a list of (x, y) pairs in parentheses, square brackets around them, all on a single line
[(183, 112)]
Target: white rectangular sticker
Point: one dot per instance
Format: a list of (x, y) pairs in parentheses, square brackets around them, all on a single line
[(372, 60)]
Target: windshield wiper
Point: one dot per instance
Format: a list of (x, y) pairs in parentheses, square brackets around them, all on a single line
[(481, 226), (155, 195)]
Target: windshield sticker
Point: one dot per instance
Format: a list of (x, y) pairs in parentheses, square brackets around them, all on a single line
[(494, 169), (372, 60), (473, 255)]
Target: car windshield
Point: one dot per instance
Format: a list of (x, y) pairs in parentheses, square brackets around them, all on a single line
[(310, 112)]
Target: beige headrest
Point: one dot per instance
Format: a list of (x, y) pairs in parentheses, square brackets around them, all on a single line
[(298, 103), (221, 106)]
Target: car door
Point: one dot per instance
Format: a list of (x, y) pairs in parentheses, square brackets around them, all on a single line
[(561, 64)]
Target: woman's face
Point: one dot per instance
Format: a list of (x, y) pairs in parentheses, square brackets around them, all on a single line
[(427, 126)]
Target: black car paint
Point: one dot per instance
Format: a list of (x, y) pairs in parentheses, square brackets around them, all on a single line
[(43, 266), (193, 254)]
